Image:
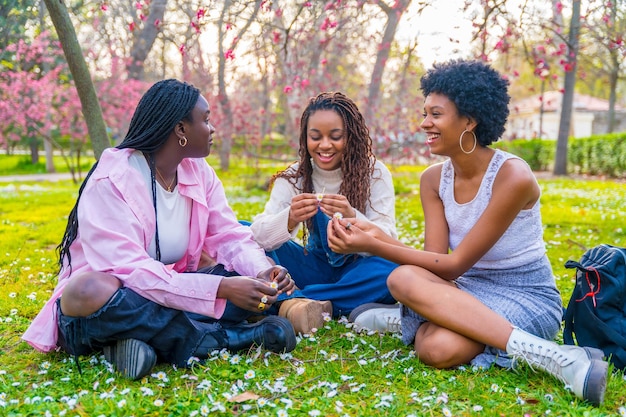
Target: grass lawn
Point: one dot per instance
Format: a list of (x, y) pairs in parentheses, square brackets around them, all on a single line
[(334, 372)]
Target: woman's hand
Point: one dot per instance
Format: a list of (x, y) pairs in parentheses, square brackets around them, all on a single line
[(248, 293), (279, 277), (303, 207), (336, 203), (351, 235)]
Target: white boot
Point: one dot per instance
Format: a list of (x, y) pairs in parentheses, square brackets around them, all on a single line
[(582, 369)]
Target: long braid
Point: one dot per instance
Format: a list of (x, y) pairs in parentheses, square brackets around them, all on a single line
[(163, 106), (357, 164)]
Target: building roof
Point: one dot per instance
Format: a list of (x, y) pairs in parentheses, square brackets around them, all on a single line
[(552, 103)]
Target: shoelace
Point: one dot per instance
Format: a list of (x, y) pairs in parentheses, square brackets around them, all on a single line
[(394, 325), (548, 359)]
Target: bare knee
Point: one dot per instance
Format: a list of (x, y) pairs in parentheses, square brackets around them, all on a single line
[(442, 348), (86, 293), (402, 281)]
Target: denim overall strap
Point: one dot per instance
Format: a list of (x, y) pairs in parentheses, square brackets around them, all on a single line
[(318, 241)]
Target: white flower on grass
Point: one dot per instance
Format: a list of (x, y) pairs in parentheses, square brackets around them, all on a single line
[(495, 388), (446, 412), (288, 403), (622, 411), (235, 359), (161, 376), (192, 360), (300, 370), (261, 402), (204, 385), (32, 296), (12, 294), (315, 413), (442, 398), (146, 391), (121, 403), (477, 408), (282, 413), (158, 403), (218, 406), (250, 374), (204, 410)]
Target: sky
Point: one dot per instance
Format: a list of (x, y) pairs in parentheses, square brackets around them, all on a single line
[(438, 23)]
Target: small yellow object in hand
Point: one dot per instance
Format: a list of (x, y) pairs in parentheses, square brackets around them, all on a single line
[(338, 216), (273, 284)]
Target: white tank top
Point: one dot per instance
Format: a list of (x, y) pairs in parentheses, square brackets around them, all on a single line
[(521, 243), (173, 216)]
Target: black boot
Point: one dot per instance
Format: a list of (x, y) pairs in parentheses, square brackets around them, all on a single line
[(274, 333)]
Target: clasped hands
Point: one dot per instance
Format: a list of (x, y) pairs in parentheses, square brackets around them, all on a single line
[(257, 294)]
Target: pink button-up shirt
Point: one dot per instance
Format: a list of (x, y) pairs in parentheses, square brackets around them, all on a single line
[(116, 224)]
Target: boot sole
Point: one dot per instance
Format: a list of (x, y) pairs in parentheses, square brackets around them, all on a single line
[(131, 357), (595, 384), (278, 334), (594, 353)]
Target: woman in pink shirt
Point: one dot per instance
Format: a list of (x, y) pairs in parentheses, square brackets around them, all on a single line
[(137, 278)]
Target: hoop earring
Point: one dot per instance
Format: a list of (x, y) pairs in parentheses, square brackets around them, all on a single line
[(182, 142), (461, 142)]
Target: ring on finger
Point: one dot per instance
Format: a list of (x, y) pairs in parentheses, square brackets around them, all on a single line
[(264, 299), (348, 226), (261, 306)]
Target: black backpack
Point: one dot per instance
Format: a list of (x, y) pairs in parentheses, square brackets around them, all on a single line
[(596, 312)]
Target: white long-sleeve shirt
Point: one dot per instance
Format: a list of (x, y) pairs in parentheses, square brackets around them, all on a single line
[(270, 227)]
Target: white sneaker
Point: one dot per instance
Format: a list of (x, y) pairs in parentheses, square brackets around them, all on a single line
[(383, 318)]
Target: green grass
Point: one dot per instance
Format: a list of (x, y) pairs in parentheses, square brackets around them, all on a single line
[(336, 372)]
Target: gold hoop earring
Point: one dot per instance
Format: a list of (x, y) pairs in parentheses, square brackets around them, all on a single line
[(182, 142), (461, 142)]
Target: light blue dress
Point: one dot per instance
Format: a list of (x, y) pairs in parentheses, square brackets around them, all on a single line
[(514, 278)]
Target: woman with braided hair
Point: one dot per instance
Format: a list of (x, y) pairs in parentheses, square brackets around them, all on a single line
[(134, 281), (337, 175)]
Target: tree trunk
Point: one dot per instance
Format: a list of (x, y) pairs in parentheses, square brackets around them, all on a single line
[(226, 126), (613, 78), (82, 79), (145, 40), (34, 151), (47, 146), (560, 163), (393, 18)]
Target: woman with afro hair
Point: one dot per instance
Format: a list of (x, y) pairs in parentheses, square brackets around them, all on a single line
[(337, 176), (482, 290)]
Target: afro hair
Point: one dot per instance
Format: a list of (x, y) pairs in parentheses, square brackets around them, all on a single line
[(477, 90)]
